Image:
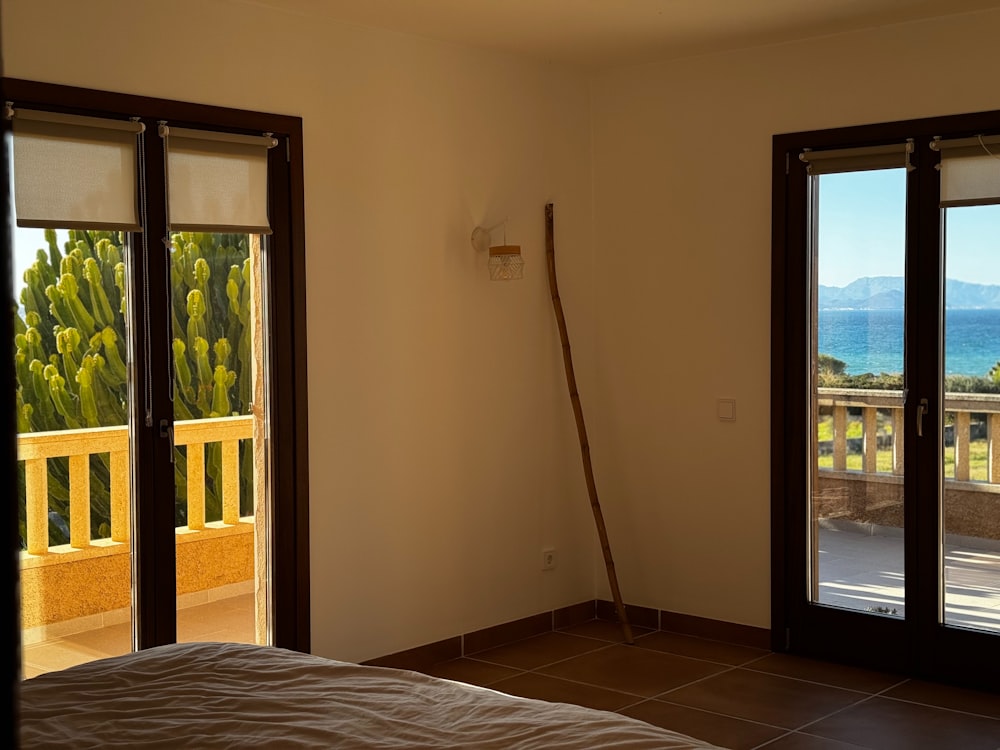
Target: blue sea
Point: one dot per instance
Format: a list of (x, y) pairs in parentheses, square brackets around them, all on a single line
[(872, 340)]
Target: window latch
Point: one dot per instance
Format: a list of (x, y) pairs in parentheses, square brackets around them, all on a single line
[(922, 409), (167, 431)]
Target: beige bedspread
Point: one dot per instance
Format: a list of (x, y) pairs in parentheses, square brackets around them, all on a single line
[(209, 695)]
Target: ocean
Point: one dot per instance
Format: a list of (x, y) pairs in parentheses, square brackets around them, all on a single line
[(872, 340)]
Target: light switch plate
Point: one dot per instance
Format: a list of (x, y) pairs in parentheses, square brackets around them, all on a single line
[(726, 409)]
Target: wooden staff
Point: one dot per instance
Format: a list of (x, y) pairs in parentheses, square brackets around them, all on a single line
[(581, 428)]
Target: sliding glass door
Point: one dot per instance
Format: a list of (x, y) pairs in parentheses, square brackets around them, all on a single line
[(145, 394), (72, 406), (887, 397), (76, 185), (856, 347), (971, 520)]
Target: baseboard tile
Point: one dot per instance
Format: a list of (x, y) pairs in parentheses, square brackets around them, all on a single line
[(641, 617), (575, 614), (422, 657), (716, 630), (508, 632)]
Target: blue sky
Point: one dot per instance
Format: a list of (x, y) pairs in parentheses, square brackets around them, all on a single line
[(862, 231), (26, 242)]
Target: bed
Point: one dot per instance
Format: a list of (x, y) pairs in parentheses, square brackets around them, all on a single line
[(211, 695)]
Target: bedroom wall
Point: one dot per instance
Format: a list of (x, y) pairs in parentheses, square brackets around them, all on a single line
[(682, 233), (443, 453)]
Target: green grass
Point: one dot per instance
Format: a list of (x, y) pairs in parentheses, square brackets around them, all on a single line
[(824, 429), (883, 462), (978, 461)]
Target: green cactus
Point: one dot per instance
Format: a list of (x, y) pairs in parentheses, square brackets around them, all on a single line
[(224, 380), (95, 279), (70, 354), (23, 413), (67, 344)]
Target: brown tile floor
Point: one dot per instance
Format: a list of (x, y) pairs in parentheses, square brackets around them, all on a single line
[(734, 696)]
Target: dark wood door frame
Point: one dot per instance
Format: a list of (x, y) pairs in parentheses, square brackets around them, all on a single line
[(918, 645), (11, 660), (154, 566)]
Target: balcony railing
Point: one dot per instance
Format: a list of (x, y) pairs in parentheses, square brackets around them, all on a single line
[(36, 448), (90, 576), (959, 434), (862, 482)]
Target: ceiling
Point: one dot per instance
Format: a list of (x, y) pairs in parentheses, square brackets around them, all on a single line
[(597, 34)]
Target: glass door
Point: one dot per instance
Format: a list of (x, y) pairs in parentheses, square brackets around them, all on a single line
[(856, 499), (971, 440), (887, 389), (75, 189), (151, 421), (72, 399), (220, 423), (961, 626), (218, 221)]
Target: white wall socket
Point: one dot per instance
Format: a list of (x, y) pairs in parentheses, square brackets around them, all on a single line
[(548, 559)]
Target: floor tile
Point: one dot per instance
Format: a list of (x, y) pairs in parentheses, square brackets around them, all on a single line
[(216, 621), (801, 741), (111, 640), (543, 687), (604, 630), (471, 671), (532, 653), (889, 724), (633, 670), (56, 654), (30, 670), (699, 648), (946, 696), (769, 699), (828, 673), (734, 734)]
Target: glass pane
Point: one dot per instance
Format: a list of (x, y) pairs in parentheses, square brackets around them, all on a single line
[(70, 350), (856, 466), (219, 418), (971, 498)]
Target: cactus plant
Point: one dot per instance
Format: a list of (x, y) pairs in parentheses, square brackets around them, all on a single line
[(69, 354)]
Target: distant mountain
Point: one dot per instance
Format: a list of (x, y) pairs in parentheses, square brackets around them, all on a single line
[(886, 293), (963, 295)]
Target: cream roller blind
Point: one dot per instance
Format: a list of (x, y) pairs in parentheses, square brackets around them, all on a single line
[(216, 182), (893, 156), (970, 171), (74, 172)]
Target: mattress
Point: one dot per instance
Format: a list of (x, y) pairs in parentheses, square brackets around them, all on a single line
[(216, 695)]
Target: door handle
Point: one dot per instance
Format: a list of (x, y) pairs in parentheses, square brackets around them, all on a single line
[(167, 431), (922, 409)]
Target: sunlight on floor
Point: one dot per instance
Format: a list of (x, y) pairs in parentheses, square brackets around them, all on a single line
[(230, 619)]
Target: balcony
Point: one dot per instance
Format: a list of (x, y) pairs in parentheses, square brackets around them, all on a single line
[(76, 597), (858, 503)]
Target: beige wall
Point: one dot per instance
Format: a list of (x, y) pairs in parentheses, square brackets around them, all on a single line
[(682, 234), (443, 456), (442, 446)]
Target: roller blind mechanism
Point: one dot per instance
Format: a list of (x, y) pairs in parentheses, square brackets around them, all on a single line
[(970, 171), (216, 182), (832, 161), (74, 172)]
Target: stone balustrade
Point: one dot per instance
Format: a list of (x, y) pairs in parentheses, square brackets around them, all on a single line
[(866, 493), (92, 574)]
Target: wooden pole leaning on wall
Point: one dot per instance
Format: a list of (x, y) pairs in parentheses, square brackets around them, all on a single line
[(581, 427)]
